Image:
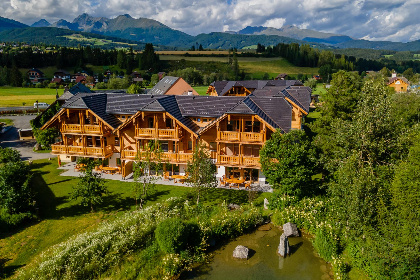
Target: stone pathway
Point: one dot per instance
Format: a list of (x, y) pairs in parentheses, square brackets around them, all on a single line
[(69, 171)]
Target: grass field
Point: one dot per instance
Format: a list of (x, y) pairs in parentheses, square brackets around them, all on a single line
[(14, 97), (62, 218), (7, 121), (201, 90)]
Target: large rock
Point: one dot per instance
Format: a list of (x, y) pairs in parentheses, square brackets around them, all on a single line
[(284, 248), (240, 252), (266, 203), (233, 206), (37, 147), (290, 229)]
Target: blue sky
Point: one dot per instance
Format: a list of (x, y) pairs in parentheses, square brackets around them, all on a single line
[(394, 20)]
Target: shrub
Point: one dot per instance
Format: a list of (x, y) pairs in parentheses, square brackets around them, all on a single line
[(101, 85), (52, 85), (174, 235), (326, 246), (10, 221), (39, 85)]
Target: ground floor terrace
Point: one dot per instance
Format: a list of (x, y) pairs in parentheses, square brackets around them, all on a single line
[(171, 174)]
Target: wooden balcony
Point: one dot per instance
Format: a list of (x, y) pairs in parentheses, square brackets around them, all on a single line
[(229, 136), (233, 136), (168, 133), (145, 132), (252, 137), (128, 154), (159, 134), (251, 161), (76, 150), (75, 128), (245, 161), (92, 129), (228, 160), (184, 158), (58, 149)]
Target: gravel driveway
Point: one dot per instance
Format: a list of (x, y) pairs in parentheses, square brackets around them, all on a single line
[(10, 138)]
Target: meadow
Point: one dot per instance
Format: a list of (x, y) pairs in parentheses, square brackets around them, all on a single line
[(16, 96), (61, 218)]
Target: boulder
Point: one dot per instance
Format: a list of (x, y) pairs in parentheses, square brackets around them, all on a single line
[(266, 203), (284, 248), (290, 229), (37, 147), (233, 206), (240, 252)]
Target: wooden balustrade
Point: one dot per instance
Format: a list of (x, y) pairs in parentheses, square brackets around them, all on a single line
[(251, 161), (168, 133), (129, 154), (89, 128), (71, 128), (185, 157), (79, 150), (231, 160), (229, 136), (94, 151), (58, 149), (145, 132), (252, 137), (240, 136)]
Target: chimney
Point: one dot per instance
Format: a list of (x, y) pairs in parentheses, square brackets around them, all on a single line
[(190, 92), (394, 75)]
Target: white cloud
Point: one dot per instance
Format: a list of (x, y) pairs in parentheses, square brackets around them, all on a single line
[(375, 19)]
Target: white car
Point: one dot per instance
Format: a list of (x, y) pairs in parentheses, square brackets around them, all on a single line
[(41, 105)]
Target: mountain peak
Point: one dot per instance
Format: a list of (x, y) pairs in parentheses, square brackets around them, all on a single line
[(41, 23)]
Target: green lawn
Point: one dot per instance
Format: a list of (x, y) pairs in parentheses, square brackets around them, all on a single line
[(201, 90), (62, 218), (17, 96), (7, 121), (274, 67)]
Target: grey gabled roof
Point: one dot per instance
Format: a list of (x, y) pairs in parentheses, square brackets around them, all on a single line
[(222, 87), (206, 106), (78, 88), (163, 85), (128, 103), (170, 105)]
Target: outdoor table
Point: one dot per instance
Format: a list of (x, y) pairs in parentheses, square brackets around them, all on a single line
[(110, 169), (235, 182), (180, 177)]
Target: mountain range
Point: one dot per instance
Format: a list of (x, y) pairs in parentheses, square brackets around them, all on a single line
[(144, 30)]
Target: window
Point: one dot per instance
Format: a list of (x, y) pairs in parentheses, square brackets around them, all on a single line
[(213, 146), (150, 121), (97, 142), (118, 161), (89, 141), (164, 146), (205, 120), (189, 145), (168, 123), (117, 141)]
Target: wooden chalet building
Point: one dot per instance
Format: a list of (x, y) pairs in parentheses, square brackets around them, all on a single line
[(115, 126), (400, 84), (245, 88), (35, 76)]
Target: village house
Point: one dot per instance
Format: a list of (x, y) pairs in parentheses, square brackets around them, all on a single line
[(169, 85), (35, 76), (63, 75), (115, 127), (400, 84)]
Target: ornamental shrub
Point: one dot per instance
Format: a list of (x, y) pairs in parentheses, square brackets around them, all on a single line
[(325, 244), (174, 235)]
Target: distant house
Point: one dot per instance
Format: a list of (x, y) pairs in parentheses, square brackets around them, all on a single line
[(136, 77), (172, 86), (62, 74), (161, 75), (78, 78), (400, 84), (317, 77), (35, 76), (282, 76), (57, 81)]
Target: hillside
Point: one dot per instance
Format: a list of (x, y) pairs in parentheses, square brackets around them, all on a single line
[(126, 27), (6, 24), (64, 37)]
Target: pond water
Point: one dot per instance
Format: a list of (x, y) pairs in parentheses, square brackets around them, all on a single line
[(263, 262)]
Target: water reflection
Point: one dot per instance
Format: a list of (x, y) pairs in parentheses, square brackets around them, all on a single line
[(263, 262)]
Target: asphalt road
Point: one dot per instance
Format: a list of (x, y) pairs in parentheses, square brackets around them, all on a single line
[(10, 138), (16, 108)]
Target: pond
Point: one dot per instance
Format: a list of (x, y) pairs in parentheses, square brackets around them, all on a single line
[(263, 262)]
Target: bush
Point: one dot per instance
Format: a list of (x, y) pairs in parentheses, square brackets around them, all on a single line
[(39, 85), (10, 221), (52, 85), (101, 85), (326, 246), (174, 235)]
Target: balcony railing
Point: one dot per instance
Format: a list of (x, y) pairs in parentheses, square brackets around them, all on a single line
[(71, 128), (168, 133), (252, 137), (229, 136), (185, 157), (238, 160), (251, 161), (128, 154), (240, 136), (90, 128), (145, 132), (161, 133), (77, 150), (58, 149), (77, 128)]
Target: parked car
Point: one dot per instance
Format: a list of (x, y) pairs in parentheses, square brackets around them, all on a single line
[(41, 105)]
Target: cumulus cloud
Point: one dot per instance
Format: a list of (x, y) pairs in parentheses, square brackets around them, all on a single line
[(370, 19)]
